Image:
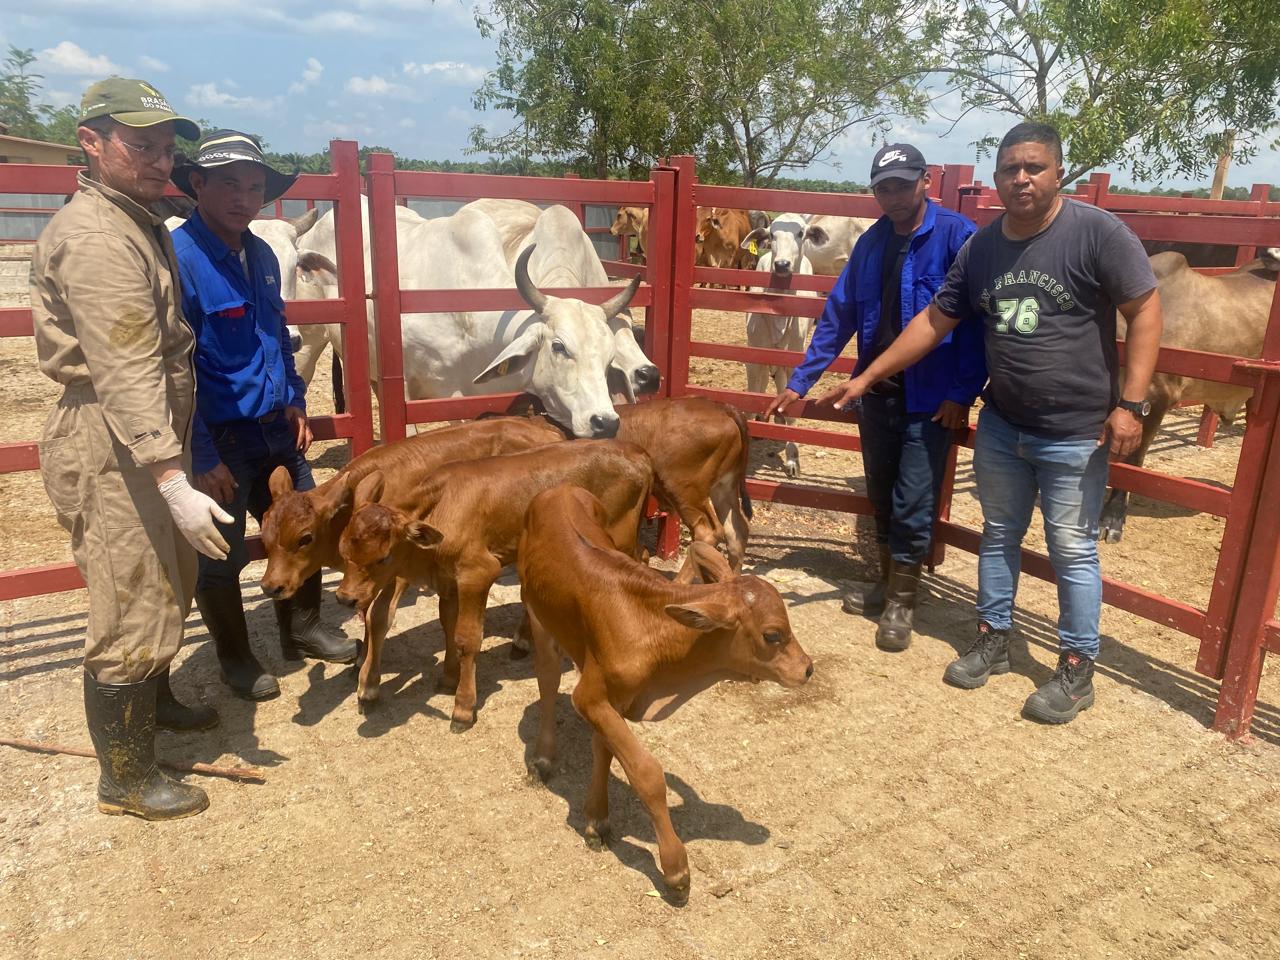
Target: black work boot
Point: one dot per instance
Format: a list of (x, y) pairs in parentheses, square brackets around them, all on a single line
[(302, 633), (988, 656), (173, 714), (1067, 692), (869, 601), (223, 615), (122, 725), (894, 632)]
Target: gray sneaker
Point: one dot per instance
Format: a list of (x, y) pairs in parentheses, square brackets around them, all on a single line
[(988, 656)]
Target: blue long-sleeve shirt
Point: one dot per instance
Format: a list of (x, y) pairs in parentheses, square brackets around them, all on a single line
[(244, 360), (956, 369)]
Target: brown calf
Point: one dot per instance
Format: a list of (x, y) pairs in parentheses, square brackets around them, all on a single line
[(301, 528), (465, 528), (699, 450), (643, 645)]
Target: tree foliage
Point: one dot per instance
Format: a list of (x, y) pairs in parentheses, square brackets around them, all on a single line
[(1152, 84), (20, 109), (753, 90)]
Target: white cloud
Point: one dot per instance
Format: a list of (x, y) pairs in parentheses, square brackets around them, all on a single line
[(70, 58), (375, 86), (152, 65), (310, 75), (451, 71), (60, 98), (209, 95), (408, 123)]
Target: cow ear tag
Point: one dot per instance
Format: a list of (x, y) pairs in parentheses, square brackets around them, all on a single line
[(754, 248)]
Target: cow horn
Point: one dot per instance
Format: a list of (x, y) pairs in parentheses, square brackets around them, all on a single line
[(618, 302), (532, 295), (303, 222)]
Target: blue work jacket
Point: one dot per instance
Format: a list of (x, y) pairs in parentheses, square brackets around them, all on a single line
[(956, 369), (244, 360)]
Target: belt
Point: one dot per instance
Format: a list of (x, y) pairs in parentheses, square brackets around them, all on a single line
[(269, 417)]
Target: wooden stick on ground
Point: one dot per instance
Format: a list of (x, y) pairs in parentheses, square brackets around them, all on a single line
[(247, 774)]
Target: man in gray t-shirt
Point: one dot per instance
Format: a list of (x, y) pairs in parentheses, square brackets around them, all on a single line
[(1045, 279)]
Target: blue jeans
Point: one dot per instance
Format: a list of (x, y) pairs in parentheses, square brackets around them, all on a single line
[(904, 456), (1071, 478), (251, 451)]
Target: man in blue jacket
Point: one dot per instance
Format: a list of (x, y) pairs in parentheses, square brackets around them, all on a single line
[(250, 402), (906, 421)]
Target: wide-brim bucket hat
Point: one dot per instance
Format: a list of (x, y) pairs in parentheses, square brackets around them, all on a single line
[(230, 146)]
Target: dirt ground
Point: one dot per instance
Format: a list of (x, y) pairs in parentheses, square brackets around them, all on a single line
[(874, 813)]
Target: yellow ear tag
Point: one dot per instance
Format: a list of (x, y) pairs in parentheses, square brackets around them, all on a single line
[(502, 367), (754, 248)]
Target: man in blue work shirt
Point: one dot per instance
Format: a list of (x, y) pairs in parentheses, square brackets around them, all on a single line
[(250, 402), (906, 422)]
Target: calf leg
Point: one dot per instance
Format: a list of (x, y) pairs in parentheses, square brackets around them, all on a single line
[(646, 777), (597, 829), (448, 682), (472, 596), (378, 620), (727, 503), (790, 453), (546, 663)]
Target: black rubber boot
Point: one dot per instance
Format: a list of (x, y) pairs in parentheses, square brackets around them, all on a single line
[(894, 632), (869, 601), (224, 617), (173, 714), (1067, 692), (988, 656), (122, 725), (302, 633)]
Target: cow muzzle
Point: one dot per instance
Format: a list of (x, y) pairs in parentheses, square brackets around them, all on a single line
[(603, 426)]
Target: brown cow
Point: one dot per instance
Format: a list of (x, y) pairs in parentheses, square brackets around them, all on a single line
[(464, 529), (1223, 314), (643, 646), (301, 528), (720, 233), (633, 222)]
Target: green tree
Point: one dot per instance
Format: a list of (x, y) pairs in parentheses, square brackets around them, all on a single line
[(1156, 85), (614, 85), (18, 91)]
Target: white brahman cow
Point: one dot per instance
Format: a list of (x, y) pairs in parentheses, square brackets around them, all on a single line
[(828, 241), (783, 255)]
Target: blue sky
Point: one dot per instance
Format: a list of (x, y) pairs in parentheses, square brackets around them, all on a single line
[(398, 73)]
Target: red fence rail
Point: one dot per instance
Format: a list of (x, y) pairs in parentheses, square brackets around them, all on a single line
[(1235, 630)]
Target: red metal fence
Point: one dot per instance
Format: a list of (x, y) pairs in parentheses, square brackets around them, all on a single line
[(1235, 630)]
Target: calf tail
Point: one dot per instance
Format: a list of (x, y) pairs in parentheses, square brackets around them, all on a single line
[(339, 390), (744, 458)]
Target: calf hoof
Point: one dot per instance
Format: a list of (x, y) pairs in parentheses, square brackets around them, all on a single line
[(678, 880), (1110, 534), (519, 651), (365, 705), (461, 724), (596, 834), (539, 770), (791, 469)]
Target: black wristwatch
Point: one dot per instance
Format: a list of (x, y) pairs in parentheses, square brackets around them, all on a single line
[(1139, 408)]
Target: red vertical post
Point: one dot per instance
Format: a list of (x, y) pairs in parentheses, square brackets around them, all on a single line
[(578, 208), (1102, 186), (954, 176), (383, 248), (682, 253), (1208, 427), (935, 172), (658, 273), (1259, 195), (344, 161)]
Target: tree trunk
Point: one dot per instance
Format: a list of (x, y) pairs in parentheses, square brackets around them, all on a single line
[(1224, 163)]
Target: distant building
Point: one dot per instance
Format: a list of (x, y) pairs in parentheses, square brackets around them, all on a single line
[(22, 150)]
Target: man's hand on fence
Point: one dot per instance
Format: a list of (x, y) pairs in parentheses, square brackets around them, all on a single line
[(780, 403), (843, 396)]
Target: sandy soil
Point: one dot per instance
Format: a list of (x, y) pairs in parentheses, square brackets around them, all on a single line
[(874, 813)]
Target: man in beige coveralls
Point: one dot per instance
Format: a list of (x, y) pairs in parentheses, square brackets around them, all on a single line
[(116, 450)]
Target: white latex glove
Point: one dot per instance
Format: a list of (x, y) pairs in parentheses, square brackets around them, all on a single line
[(194, 514)]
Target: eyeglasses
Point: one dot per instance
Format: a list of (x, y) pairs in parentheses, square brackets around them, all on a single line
[(148, 151)]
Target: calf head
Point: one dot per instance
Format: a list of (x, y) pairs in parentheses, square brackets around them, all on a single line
[(378, 545), (747, 617), (297, 531), (631, 373), (630, 221), (564, 357)]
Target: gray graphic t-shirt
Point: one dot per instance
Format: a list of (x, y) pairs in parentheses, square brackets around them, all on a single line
[(1048, 311)]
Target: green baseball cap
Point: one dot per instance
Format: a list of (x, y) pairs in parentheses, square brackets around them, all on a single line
[(135, 103)]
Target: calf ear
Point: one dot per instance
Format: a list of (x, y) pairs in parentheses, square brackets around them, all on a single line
[(336, 494), (281, 483), (516, 354), (422, 534), (370, 488), (760, 234), (705, 616), (816, 235)]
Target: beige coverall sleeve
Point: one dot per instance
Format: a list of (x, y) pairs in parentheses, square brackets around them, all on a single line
[(107, 286)]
